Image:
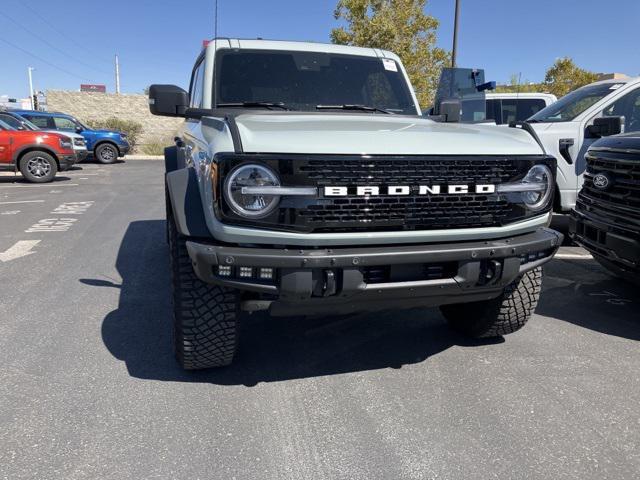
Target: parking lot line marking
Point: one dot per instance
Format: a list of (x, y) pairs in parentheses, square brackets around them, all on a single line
[(44, 185), (23, 201), (20, 249)]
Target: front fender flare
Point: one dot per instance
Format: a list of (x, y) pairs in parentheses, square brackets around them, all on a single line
[(186, 205)]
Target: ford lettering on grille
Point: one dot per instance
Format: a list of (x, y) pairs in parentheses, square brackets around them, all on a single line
[(375, 190)]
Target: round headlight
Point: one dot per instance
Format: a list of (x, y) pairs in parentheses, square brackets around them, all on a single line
[(250, 204), (541, 176)]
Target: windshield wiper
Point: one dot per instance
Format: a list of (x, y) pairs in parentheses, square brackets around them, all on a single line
[(362, 108), (280, 105)]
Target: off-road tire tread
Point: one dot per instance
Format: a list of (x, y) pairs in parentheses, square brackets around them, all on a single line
[(205, 316), (506, 314)]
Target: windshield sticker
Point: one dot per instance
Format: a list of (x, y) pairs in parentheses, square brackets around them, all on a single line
[(389, 65), (616, 86)]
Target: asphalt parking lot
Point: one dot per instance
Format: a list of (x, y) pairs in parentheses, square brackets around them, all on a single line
[(89, 387)]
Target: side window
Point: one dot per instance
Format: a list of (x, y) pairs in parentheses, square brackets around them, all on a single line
[(9, 120), (63, 123), (528, 107), (197, 86), (509, 110), (627, 107), (38, 121), (493, 109)]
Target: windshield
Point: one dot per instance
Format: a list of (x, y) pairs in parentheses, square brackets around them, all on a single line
[(304, 80), (576, 102)]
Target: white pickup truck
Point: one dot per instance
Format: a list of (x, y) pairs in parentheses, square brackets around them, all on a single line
[(569, 126), (504, 108)]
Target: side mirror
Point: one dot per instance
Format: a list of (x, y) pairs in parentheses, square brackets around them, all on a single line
[(604, 127), (168, 100), (78, 129)]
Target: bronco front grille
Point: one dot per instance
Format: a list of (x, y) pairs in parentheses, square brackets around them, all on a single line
[(353, 213)]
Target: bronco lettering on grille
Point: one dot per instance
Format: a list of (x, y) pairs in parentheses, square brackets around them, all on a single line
[(374, 190)]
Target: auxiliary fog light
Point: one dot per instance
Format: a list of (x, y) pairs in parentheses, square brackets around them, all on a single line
[(224, 270), (266, 273), (245, 272)]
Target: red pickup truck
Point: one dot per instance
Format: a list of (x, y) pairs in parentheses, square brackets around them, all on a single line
[(37, 155)]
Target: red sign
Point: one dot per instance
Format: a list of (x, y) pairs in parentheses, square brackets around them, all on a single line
[(88, 87)]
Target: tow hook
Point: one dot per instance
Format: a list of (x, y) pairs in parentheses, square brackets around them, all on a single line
[(491, 273), (329, 286)]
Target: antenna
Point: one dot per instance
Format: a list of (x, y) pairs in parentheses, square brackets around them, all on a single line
[(215, 20)]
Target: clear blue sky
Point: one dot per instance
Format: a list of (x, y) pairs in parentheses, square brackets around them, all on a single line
[(157, 40)]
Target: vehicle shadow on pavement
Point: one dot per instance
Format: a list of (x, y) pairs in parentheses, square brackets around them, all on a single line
[(271, 349), (581, 292), (8, 180)]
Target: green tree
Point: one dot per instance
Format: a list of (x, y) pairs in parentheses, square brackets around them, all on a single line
[(400, 26), (565, 76), (517, 85)]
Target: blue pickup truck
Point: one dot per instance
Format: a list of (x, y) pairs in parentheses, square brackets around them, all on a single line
[(106, 145)]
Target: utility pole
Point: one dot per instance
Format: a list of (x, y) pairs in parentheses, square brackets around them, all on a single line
[(117, 75), (30, 70), (455, 35)]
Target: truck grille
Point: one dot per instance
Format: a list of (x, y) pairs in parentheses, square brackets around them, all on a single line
[(408, 212), (621, 202), (353, 213)]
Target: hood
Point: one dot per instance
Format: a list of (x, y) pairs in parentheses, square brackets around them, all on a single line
[(376, 134), (104, 131)]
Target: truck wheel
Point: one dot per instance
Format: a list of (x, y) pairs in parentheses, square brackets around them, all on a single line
[(205, 317), (38, 167), (106, 153), (499, 316)]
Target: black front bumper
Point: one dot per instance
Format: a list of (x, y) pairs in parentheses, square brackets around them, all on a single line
[(619, 245), (67, 161), (345, 280), (123, 149), (81, 155)]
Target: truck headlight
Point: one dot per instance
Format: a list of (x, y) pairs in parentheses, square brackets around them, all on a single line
[(251, 205), (66, 143), (541, 177), (534, 190)]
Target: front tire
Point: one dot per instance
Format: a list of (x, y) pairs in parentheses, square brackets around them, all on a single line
[(38, 167), (205, 317), (106, 153), (499, 316)]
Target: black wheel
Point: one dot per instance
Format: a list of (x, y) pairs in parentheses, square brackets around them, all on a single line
[(106, 153), (499, 316), (38, 167), (205, 317)]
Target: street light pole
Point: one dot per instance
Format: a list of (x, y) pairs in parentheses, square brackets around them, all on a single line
[(30, 70), (455, 35)]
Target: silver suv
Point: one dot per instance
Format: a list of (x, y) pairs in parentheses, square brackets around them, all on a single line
[(304, 181)]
